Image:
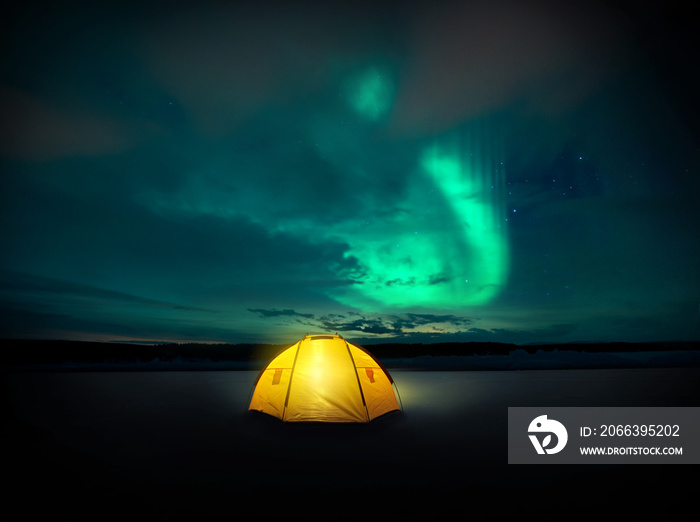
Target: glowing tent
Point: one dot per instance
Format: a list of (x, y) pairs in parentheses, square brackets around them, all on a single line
[(323, 378)]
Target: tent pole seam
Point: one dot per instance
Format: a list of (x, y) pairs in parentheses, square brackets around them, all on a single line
[(359, 384), (291, 377)]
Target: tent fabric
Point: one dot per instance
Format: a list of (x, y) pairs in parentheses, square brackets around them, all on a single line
[(323, 378)]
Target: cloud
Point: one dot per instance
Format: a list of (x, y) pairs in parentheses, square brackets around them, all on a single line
[(470, 58), (24, 287), (106, 232), (226, 63), (33, 129), (277, 313), (366, 325), (387, 326), (452, 333), (38, 306)]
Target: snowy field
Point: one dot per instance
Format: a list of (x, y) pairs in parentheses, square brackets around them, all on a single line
[(181, 443)]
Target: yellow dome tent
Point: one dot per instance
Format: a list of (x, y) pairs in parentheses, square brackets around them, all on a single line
[(324, 378)]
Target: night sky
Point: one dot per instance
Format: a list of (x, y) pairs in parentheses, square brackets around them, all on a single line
[(516, 171)]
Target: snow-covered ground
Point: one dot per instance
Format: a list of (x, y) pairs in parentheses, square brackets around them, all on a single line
[(182, 440)]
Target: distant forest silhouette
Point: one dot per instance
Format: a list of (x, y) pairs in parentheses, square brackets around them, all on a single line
[(30, 351)]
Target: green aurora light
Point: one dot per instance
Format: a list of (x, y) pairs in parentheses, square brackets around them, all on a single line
[(448, 248), (372, 94)]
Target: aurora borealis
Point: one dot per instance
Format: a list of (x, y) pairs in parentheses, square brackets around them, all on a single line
[(249, 172)]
